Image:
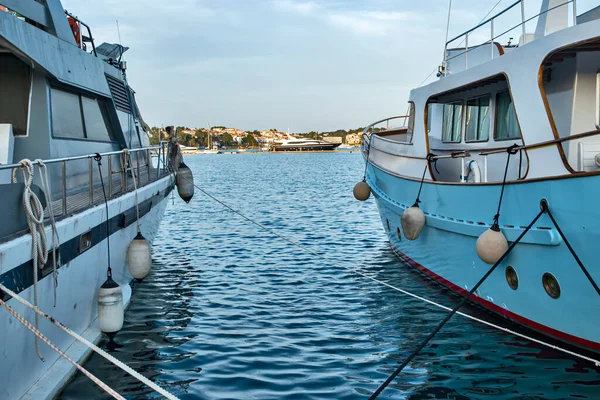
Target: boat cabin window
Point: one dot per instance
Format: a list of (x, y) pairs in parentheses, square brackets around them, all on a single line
[(66, 115), (15, 86), (75, 116), (477, 125), (507, 126), (452, 123)]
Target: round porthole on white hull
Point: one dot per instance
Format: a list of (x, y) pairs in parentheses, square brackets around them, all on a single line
[(551, 285)]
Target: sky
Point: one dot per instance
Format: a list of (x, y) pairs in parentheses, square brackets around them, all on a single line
[(285, 64)]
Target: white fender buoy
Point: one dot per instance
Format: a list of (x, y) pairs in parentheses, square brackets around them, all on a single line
[(362, 191), (110, 307), (185, 182), (413, 221), (139, 257), (491, 245)]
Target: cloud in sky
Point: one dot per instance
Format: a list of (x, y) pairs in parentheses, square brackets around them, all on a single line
[(256, 64)]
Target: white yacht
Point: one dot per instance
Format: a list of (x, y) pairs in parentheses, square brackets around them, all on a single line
[(296, 144)]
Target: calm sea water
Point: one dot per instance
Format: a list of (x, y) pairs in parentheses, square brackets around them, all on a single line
[(230, 312)]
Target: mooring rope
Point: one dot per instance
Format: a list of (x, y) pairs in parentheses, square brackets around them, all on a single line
[(43, 338), (454, 310), (34, 213), (386, 284), (46, 188), (89, 344)]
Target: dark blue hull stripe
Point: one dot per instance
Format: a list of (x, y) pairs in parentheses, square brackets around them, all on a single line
[(21, 278)]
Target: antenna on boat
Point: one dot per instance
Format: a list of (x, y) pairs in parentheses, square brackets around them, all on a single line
[(120, 42)]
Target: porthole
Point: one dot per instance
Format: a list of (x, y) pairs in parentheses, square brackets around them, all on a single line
[(512, 278), (85, 241), (551, 285), (399, 234), (387, 221)]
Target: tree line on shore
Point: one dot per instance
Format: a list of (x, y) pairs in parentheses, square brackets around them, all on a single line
[(204, 137)]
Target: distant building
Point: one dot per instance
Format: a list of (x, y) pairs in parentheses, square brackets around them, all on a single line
[(333, 139), (353, 139)]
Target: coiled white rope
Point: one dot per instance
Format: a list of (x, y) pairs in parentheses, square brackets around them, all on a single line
[(45, 180), (373, 279), (89, 344), (39, 335), (34, 212)]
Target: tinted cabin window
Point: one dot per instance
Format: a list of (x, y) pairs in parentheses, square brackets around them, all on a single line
[(452, 124), (15, 85), (477, 126), (95, 116), (80, 117), (507, 126), (66, 115)]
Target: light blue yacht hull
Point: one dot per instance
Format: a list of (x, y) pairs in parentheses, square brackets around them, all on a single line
[(458, 213)]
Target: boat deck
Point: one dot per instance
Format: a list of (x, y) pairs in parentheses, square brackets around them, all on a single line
[(84, 198)]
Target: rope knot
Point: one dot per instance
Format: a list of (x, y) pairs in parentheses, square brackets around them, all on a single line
[(514, 149), (98, 158)]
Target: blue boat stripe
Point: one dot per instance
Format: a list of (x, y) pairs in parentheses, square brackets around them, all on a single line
[(20, 278)]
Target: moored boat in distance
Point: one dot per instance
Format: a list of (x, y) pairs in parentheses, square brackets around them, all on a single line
[(462, 140), (304, 145), (72, 107)]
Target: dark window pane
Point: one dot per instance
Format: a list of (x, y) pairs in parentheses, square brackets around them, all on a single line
[(66, 114), (95, 124)]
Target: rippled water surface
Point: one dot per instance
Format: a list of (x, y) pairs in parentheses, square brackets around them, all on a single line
[(231, 312)]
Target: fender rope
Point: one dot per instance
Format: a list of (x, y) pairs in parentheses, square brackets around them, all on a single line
[(133, 177)]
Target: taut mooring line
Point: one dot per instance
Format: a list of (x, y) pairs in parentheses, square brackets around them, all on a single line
[(453, 311)]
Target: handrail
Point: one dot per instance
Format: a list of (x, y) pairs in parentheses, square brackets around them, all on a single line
[(88, 29), (492, 37), (546, 143), (484, 22), (383, 120), (65, 159)]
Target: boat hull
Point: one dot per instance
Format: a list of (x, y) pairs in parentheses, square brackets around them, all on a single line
[(84, 270), (457, 214), (315, 147)]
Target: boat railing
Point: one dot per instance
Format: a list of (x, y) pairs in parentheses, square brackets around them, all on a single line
[(140, 160), (84, 39), (390, 127), (493, 36)]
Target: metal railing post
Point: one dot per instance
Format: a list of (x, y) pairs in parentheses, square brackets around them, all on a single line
[(124, 184), (64, 187), (492, 37), (109, 177), (523, 20), (137, 159), (574, 12), (485, 169), (148, 162), (91, 180), (467, 51)]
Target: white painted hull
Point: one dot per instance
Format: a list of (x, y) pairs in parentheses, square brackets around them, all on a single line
[(22, 373)]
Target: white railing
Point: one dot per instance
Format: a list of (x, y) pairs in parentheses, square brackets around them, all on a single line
[(493, 36), (151, 151)]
